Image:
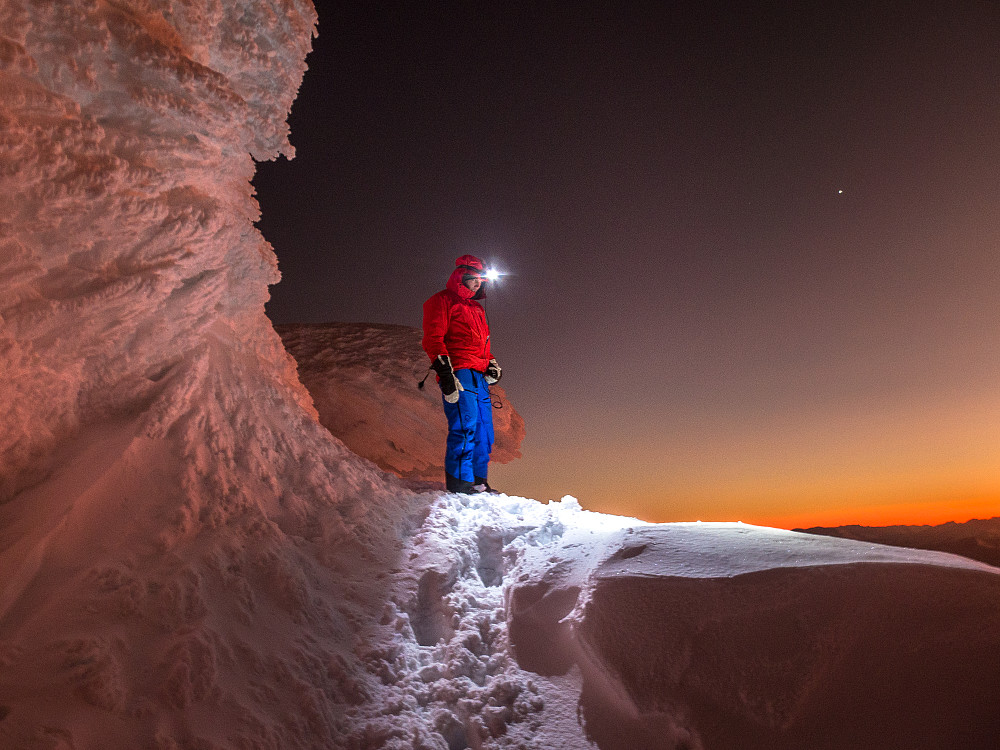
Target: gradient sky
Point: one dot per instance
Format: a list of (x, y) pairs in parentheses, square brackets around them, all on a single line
[(753, 253)]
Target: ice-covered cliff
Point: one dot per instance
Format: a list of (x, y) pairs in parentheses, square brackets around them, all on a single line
[(175, 566), (129, 260), (189, 560)]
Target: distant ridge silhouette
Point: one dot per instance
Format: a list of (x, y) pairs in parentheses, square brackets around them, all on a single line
[(978, 539)]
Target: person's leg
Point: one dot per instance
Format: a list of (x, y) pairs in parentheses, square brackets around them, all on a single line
[(462, 416), (483, 445)]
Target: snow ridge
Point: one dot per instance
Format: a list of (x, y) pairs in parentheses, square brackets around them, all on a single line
[(515, 624)]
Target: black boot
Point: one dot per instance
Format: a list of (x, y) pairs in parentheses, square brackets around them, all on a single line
[(458, 486), (481, 485)]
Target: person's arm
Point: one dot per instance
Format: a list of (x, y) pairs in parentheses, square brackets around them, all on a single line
[(435, 326)]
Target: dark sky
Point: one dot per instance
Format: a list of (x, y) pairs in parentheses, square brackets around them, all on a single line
[(753, 251)]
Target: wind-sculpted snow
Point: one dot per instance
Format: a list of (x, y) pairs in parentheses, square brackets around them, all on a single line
[(175, 562), (729, 636), (127, 254), (363, 381)]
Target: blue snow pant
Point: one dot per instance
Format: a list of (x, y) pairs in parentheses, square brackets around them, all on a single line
[(470, 428)]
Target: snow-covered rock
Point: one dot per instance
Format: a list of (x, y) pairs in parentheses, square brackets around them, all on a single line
[(189, 560), (363, 381)]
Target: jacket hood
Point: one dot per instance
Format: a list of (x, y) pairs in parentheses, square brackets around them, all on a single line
[(464, 265), (470, 262)]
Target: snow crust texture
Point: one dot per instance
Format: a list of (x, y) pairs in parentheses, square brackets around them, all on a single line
[(127, 254), (516, 624), (363, 381)]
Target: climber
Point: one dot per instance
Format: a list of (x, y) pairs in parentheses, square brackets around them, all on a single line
[(457, 340)]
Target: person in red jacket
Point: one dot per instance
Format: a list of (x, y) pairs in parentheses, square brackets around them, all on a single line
[(457, 340)]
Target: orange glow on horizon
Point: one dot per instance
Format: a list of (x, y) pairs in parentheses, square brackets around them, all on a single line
[(896, 514), (904, 513), (870, 464)]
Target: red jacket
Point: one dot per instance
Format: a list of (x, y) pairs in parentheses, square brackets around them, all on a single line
[(455, 325)]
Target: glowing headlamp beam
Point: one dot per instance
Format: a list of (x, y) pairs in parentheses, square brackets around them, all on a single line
[(491, 274)]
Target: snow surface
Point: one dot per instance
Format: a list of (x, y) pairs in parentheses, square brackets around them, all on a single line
[(363, 381), (516, 624), (188, 558)]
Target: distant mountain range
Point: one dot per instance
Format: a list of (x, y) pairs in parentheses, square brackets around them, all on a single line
[(978, 539)]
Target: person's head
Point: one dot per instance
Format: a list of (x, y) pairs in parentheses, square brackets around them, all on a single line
[(469, 273)]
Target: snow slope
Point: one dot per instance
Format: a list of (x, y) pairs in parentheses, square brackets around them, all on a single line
[(363, 381), (189, 560)]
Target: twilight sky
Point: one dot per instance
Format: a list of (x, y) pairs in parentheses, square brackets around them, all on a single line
[(753, 253)]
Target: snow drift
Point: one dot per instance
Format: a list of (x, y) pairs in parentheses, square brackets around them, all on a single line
[(362, 378), (188, 558), (623, 635)]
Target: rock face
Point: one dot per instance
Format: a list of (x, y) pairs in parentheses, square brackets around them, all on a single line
[(363, 381)]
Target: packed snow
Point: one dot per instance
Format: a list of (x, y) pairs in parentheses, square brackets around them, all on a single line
[(190, 560)]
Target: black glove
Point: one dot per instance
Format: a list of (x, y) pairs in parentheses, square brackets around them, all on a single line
[(492, 372), (450, 386)]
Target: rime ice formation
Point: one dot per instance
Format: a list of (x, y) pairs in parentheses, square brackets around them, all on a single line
[(175, 567), (362, 378), (190, 561), (130, 267)]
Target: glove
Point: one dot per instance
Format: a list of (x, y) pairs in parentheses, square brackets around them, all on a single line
[(492, 373), (450, 387)]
